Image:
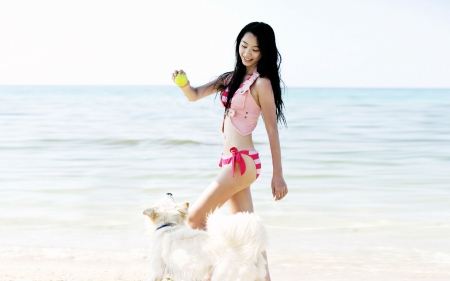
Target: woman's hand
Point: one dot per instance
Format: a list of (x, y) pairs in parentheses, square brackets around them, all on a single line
[(175, 73), (279, 188), (195, 93)]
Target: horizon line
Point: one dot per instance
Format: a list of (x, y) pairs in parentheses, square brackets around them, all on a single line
[(167, 85)]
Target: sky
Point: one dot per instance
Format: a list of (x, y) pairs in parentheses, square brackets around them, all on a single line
[(323, 43)]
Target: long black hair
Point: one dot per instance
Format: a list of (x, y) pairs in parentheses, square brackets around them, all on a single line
[(268, 66)]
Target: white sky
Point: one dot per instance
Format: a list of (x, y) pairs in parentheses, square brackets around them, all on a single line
[(324, 43)]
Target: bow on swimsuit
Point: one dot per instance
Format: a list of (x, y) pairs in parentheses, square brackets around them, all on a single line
[(236, 157), (244, 113)]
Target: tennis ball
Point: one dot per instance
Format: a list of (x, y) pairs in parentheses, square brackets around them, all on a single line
[(181, 79)]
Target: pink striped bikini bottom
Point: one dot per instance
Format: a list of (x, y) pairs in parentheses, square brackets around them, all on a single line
[(236, 157)]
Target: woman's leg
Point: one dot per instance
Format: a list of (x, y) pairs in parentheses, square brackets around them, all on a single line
[(226, 188), (242, 202), (220, 190)]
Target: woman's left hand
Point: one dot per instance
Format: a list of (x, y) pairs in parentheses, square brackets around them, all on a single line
[(279, 188)]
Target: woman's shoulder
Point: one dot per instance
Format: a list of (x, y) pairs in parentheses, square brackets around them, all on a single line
[(263, 85), (225, 78), (222, 81)]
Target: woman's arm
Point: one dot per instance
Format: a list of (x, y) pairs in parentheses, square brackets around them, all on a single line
[(194, 94), (267, 102)]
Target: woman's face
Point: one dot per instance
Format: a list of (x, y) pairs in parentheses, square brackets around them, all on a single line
[(249, 50)]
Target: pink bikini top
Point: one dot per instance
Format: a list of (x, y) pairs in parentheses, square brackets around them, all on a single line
[(244, 112)]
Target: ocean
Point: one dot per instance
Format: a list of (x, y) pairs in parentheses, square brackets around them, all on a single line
[(368, 173)]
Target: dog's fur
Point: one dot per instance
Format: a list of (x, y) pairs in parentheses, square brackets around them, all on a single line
[(230, 250)]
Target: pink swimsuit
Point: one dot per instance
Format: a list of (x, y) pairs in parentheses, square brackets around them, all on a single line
[(244, 114), (236, 157), (244, 111)]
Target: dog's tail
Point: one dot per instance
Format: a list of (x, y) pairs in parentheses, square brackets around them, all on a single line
[(243, 231), (240, 239)]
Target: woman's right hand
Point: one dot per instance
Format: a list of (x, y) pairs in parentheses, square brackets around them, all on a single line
[(194, 93), (175, 73)]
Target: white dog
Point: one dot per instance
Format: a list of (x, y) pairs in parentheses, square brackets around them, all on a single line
[(230, 250)]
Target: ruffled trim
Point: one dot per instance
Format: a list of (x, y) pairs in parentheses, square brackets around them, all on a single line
[(242, 89), (248, 83)]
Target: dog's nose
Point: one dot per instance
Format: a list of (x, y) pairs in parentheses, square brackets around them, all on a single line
[(169, 194)]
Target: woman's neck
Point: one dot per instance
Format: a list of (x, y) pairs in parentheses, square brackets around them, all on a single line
[(250, 70)]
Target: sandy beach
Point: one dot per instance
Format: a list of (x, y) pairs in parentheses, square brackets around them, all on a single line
[(304, 254), (316, 269)]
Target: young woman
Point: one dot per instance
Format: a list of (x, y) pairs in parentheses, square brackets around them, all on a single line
[(251, 89)]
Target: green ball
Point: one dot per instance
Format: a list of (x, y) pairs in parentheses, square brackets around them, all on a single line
[(181, 79)]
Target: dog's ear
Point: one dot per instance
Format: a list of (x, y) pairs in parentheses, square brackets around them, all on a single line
[(184, 205), (151, 213), (183, 209)]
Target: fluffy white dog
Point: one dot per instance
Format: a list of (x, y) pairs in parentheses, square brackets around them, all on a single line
[(230, 249)]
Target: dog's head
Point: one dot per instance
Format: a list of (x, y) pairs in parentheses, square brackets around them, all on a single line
[(166, 211)]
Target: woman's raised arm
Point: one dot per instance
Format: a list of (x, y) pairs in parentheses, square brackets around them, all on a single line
[(196, 93)]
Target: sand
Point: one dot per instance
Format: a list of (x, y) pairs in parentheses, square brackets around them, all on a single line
[(99, 271)]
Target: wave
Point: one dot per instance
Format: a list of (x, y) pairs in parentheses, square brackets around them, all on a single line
[(323, 176), (129, 142), (73, 254)]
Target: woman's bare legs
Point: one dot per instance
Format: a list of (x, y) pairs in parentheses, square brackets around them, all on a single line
[(222, 188), (220, 191), (242, 202)]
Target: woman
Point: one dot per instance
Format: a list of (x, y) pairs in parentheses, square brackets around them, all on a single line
[(251, 89)]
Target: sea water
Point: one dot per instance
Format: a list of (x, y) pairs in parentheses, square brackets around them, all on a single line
[(368, 172)]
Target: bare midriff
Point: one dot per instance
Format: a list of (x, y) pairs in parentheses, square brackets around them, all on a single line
[(232, 138)]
